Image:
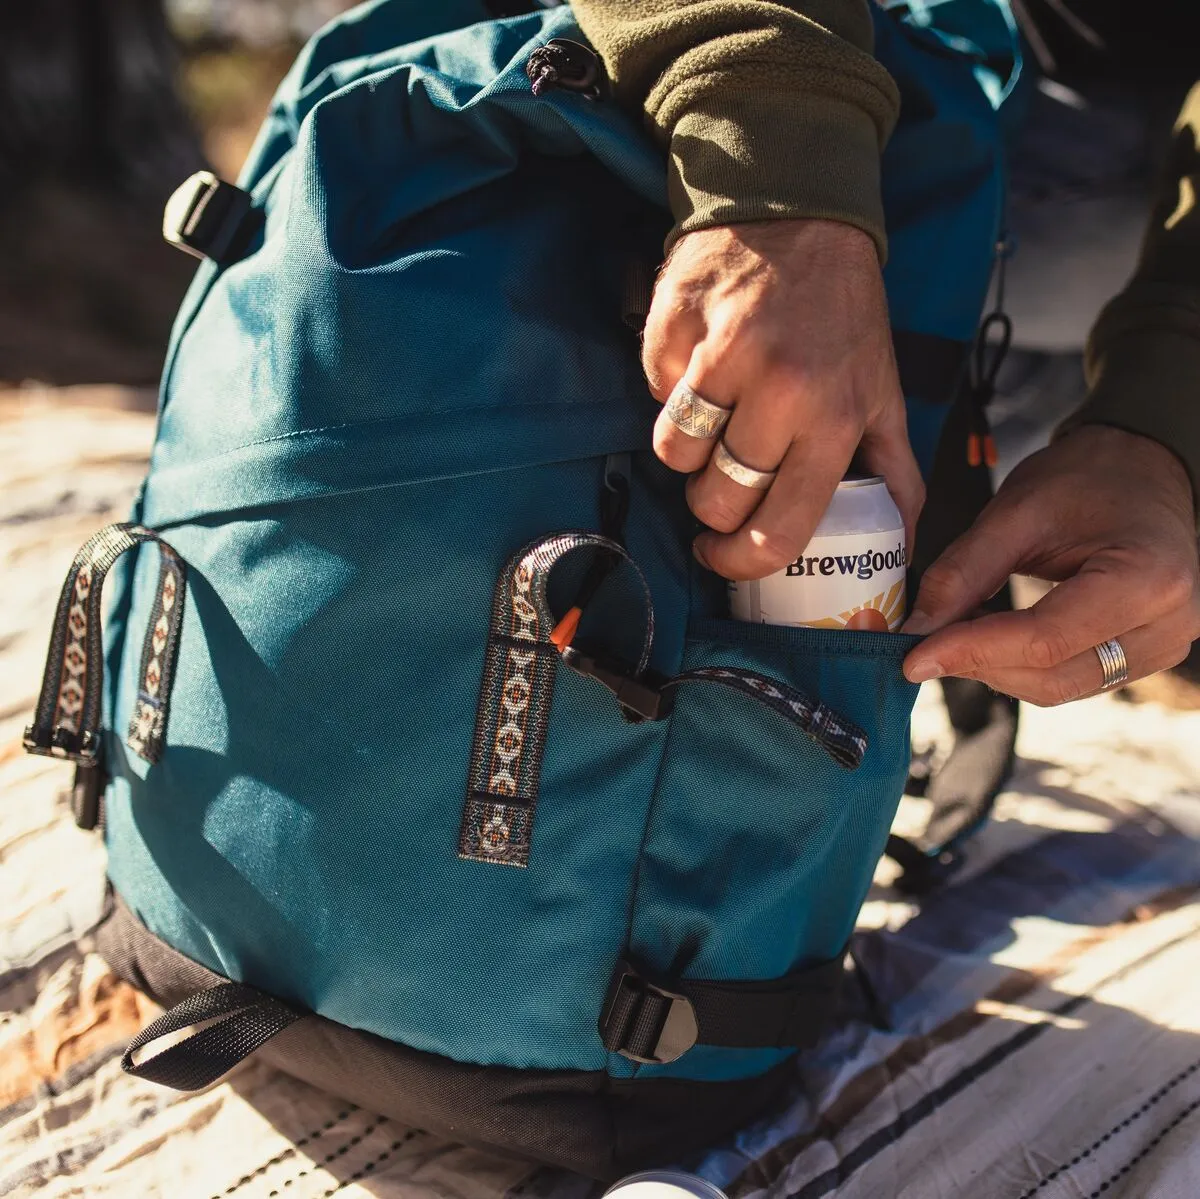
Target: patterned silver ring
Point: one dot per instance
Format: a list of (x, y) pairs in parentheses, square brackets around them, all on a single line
[(739, 472), (692, 414), (1114, 664)]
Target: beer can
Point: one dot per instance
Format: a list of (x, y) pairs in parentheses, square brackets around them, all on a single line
[(664, 1184), (851, 574)]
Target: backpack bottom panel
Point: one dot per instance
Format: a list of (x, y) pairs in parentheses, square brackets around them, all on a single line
[(576, 1119)]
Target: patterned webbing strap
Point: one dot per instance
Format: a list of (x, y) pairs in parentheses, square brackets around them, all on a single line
[(840, 738), (512, 718), (67, 719)]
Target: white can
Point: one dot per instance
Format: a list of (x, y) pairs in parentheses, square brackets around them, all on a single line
[(665, 1184), (851, 575)]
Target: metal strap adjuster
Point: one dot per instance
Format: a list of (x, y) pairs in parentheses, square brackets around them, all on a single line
[(644, 1022), (61, 741)]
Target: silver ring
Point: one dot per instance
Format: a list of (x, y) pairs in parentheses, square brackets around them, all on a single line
[(1113, 663), (692, 414), (739, 472)]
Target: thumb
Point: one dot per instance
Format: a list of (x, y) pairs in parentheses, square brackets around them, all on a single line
[(971, 571)]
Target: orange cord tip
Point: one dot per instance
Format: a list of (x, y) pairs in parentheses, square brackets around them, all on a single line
[(564, 632), (989, 451)]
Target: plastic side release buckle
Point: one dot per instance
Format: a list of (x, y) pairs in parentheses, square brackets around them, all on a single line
[(642, 698), (644, 1022), (209, 218)]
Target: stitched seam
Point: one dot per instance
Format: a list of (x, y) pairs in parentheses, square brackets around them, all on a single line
[(332, 1156), (1146, 1149), (306, 1139), (1116, 1128), (400, 421)]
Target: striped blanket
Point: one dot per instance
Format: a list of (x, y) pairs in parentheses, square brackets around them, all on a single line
[(1044, 1009)]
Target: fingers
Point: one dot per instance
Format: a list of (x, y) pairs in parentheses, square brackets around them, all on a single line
[(1147, 649), (1104, 600), (782, 524), (758, 435), (885, 450), (673, 329), (971, 571), (682, 450)]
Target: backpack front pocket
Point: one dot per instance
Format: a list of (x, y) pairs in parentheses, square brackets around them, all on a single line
[(760, 846)]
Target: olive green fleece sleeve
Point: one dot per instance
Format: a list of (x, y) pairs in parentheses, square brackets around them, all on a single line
[(768, 108), (1143, 356)]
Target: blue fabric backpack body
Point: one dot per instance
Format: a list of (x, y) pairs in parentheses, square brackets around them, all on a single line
[(361, 811)]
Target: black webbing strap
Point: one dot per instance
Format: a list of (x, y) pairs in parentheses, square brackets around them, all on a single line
[(67, 718), (227, 1024), (653, 1023)]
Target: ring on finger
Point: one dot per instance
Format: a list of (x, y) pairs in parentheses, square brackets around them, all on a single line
[(739, 472), (1113, 663), (692, 414)]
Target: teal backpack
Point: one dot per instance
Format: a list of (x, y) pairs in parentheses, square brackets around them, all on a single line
[(584, 902)]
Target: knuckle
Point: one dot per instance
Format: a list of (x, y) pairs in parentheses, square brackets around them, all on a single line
[(1176, 584), (671, 453), (1047, 647), (842, 428), (772, 552), (1177, 655), (943, 583), (974, 661), (716, 512)]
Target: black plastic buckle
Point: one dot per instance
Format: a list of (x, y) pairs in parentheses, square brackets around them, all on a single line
[(646, 1023), (640, 698), (209, 218), (59, 742)]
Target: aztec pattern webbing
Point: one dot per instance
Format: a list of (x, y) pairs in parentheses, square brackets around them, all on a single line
[(512, 719), (67, 718)]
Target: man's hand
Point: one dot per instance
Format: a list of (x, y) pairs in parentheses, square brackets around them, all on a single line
[(1106, 514), (786, 323)]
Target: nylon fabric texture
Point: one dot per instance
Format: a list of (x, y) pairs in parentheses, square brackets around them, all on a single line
[(420, 366)]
